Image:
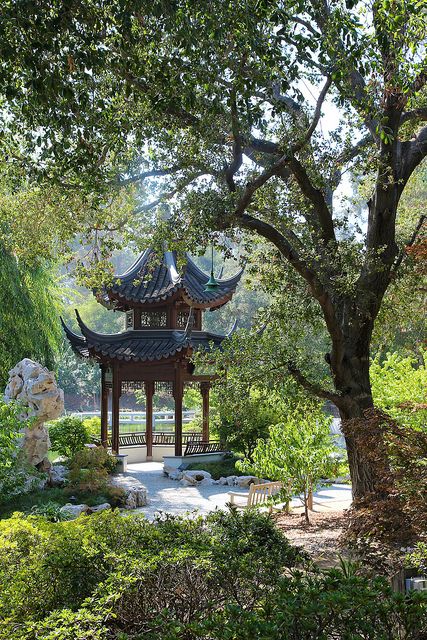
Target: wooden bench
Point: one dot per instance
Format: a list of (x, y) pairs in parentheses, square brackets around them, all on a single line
[(258, 494)]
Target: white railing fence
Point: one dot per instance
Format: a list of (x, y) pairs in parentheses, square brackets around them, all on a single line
[(162, 419)]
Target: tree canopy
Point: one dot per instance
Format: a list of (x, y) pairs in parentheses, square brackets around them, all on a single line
[(216, 111)]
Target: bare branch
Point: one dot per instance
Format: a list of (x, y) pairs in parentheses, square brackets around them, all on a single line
[(168, 194), (349, 154), (317, 113)]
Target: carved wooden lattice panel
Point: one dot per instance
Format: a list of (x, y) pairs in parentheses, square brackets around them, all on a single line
[(129, 320), (163, 387), (153, 319), (182, 319), (130, 386)]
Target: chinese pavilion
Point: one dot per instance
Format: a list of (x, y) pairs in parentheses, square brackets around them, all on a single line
[(163, 327)]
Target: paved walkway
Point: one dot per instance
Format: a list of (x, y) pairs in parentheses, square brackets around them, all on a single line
[(170, 497)]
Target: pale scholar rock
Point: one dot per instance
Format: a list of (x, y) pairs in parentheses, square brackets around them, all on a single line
[(168, 469), (206, 482), (73, 510), (34, 387), (231, 481), (222, 480), (135, 492)]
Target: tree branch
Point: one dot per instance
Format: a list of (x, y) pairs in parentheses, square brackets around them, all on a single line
[(168, 194), (235, 165), (317, 199), (152, 173), (317, 113), (402, 253), (415, 115), (413, 153), (311, 387)]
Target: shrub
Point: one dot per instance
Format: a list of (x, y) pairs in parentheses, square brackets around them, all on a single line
[(50, 510), (296, 452), (17, 476), (94, 427), (418, 558), (94, 458), (89, 469), (68, 435), (227, 576)]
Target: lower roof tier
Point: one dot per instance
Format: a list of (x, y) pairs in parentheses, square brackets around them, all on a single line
[(140, 345)]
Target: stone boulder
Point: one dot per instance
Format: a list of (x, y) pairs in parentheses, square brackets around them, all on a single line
[(34, 387), (134, 490), (58, 475), (245, 481), (72, 511), (105, 506)]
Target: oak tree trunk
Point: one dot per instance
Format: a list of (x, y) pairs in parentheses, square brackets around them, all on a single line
[(350, 368)]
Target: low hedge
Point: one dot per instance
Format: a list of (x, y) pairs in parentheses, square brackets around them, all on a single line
[(226, 577)]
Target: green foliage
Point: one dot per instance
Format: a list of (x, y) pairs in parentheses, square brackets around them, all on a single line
[(68, 435), (222, 468), (89, 470), (418, 558), (324, 606), (50, 510), (94, 427), (245, 415), (10, 427), (297, 451), (29, 319), (228, 576), (117, 562), (16, 475), (399, 388)]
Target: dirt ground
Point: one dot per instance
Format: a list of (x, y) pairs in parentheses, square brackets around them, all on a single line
[(320, 538)]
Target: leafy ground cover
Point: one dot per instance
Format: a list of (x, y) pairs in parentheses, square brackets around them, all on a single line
[(222, 468), (39, 501), (224, 577)]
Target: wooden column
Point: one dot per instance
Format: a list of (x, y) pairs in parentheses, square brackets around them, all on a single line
[(115, 410), (204, 388), (149, 392), (104, 408), (178, 392)]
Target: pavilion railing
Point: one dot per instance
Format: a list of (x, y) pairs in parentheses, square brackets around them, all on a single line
[(160, 438), (193, 448)]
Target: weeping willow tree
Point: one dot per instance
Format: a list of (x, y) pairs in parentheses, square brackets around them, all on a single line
[(29, 326)]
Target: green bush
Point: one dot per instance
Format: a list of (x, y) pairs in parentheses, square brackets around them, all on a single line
[(94, 427), (226, 577), (68, 435), (221, 468), (46, 566), (89, 469), (17, 476)]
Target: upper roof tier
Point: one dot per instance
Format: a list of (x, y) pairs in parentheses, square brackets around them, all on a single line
[(152, 281)]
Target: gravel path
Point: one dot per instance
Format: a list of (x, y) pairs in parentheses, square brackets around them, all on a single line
[(169, 496)]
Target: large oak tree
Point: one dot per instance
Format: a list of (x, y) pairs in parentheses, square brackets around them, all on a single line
[(221, 103)]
